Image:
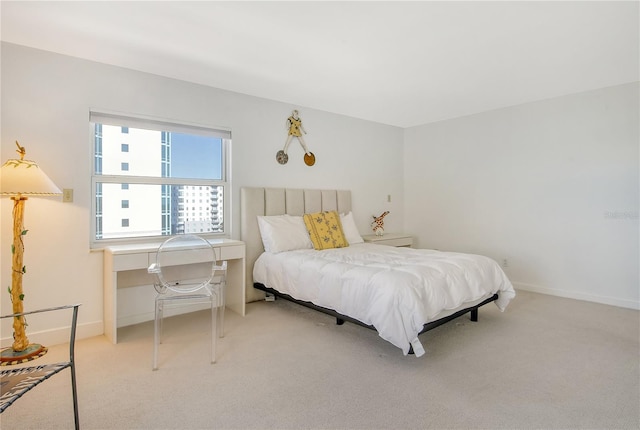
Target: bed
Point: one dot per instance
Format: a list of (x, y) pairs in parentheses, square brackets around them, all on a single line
[(399, 292)]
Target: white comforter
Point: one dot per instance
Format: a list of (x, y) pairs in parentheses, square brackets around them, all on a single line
[(397, 290)]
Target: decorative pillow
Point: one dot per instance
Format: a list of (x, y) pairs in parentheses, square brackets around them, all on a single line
[(350, 230), (283, 233), (325, 230)]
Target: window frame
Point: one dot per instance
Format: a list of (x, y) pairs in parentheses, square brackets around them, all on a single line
[(138, 121)]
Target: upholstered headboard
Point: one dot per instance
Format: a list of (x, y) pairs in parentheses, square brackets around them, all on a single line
[(280, 201)]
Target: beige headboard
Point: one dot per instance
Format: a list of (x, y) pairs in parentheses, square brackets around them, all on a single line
[(280, 201)]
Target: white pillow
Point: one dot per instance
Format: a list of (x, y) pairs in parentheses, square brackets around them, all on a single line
[(349, 228), (283, 233)]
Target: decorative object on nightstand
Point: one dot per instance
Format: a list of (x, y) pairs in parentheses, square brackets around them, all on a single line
[(20, 180), (391, 239), (378, 223), (294, 124)]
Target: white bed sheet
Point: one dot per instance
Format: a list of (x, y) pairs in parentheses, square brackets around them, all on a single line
[(397, 290)]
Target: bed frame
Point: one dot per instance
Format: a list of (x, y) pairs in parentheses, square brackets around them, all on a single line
[(292, 201)]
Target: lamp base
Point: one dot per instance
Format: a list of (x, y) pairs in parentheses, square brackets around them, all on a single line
[(10, 357)]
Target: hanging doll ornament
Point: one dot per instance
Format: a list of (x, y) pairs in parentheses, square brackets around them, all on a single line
[(294, 123)]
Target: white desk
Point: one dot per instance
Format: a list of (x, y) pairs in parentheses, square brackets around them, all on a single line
[(126, 266)]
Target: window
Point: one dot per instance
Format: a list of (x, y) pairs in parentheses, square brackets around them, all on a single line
[(162, 164)]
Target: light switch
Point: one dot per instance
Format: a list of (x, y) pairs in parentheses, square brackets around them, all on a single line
[(67, 195)]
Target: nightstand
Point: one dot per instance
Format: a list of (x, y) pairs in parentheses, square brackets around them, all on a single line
[(391, 239)]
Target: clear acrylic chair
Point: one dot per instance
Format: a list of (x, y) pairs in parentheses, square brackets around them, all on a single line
[(186, 272)]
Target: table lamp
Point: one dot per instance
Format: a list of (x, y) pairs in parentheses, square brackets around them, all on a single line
[(21, 179)]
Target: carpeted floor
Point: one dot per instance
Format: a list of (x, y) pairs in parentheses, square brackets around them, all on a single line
[(546, 363)]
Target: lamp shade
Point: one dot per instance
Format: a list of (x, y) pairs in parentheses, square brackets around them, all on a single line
[(25, 177)]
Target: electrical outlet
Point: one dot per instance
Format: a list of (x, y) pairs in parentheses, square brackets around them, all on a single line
[(67, 195), (505, 262), (389, 198)]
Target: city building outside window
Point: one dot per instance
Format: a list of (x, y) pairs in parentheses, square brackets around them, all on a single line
[(147, 184)]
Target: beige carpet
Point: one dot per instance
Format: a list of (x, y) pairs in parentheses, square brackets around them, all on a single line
[(545, 363)]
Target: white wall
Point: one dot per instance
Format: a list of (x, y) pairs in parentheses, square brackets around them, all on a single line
[(46, 100), (552, 186)]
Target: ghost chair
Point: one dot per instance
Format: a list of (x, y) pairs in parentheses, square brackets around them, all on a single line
[(186, 272)]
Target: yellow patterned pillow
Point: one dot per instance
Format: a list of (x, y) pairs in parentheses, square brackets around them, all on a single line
[(325, 230)]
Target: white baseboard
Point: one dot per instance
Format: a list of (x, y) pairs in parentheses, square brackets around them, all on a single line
[(86, 330), (613, 301), (59, 335)]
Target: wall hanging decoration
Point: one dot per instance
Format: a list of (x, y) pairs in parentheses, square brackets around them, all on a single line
[(294, 124), (378, 223)]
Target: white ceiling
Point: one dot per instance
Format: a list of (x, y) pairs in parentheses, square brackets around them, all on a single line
[(398, 63)]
